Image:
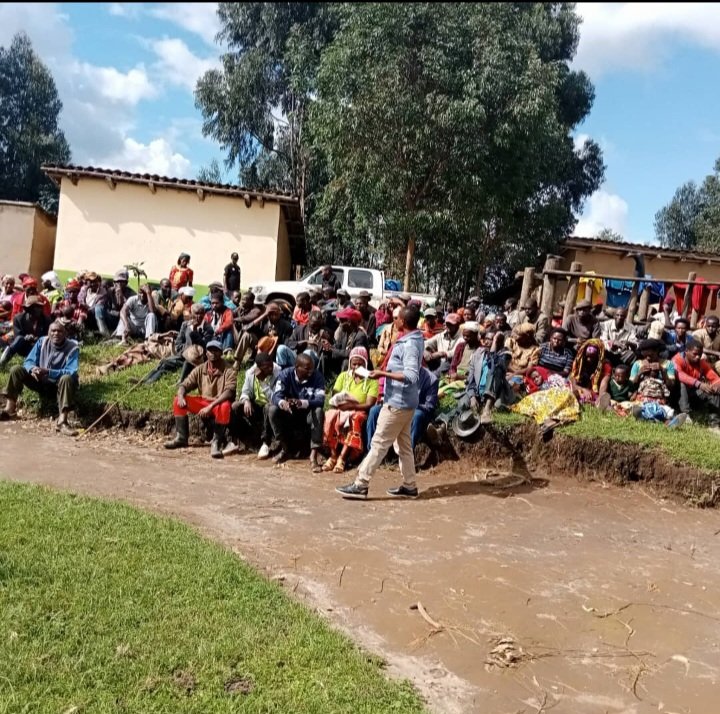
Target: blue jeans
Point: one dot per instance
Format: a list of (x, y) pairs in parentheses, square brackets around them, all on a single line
[(228, 340), (106, 322), (19, 346), (418, 427)]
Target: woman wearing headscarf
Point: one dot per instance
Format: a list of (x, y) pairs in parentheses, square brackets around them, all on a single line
[(353, 397), (524, 350), (588, 370), (181, 275)]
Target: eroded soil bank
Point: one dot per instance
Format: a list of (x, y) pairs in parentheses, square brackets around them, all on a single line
[(521, 449), (599, 599)]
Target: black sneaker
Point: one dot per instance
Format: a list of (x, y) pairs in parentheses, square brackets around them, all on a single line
[(352, 490), (403, 492)]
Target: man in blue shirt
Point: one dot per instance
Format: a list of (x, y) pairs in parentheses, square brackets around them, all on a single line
[(427, 403), (297, 403), (401, 399), (52, 369)]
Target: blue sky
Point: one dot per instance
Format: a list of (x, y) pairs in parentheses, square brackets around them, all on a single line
[(125, 73)]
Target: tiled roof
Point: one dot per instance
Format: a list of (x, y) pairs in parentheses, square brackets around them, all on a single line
[(581, 241), (56, 172)]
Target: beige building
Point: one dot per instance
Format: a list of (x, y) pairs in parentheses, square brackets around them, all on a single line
[(610, 258), (27, 238), (108, 219)]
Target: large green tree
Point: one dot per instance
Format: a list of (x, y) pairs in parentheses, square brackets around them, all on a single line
[(256, 104), (29, 132), (447, 128), (691, 220)]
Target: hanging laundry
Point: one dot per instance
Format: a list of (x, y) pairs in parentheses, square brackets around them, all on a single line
[(618, 292), (596, 286), (657, 289)]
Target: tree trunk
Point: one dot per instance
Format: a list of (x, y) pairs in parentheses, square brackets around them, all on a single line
[(409, 261)]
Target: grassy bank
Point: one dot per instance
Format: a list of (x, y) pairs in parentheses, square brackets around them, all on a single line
[(692, 444), (106, 608)]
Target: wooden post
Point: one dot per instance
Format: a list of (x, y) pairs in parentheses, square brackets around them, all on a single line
[(633, 304), (572, 292), (588, 291), (528, 286), (688, 295), (547, 300), (644, 303)]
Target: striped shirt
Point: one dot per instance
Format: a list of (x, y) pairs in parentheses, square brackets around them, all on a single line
[(554, 361)]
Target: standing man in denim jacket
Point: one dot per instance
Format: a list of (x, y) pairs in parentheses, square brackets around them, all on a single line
[(402, 396)]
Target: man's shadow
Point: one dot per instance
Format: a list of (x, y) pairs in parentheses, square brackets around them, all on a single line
[(516, 481)]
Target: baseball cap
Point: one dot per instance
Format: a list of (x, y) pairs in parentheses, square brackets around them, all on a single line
[(214, 344)]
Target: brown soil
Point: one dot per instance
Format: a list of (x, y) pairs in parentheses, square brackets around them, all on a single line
[(552, 595)]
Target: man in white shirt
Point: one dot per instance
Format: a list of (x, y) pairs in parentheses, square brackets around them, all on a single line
[(138, 316), (439, 349), (618, 335)]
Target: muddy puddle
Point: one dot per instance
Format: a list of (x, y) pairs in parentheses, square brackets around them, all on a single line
[(493, 596)]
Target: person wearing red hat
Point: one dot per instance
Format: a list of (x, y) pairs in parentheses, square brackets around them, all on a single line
[(351, 335), (29, 288)]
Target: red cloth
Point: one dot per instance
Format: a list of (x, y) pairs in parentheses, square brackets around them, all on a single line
[(699, 296), (689, 375), (530, 384), (18, 300), (300, 317), (180, 277), (221, 413), (226, 321)]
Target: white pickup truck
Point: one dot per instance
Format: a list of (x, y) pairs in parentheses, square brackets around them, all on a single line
[(354, 280)]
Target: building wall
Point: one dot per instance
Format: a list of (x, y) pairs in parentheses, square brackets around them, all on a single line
[(611, 263), (16, 237), (102, 229), (43, 246), (660, 268)]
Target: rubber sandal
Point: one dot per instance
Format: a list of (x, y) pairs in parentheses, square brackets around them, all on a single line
[(339, 467), (329, 465)]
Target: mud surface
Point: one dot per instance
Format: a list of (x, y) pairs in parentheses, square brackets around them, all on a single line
[(550, 595)]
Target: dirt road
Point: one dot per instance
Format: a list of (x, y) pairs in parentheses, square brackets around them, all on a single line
[(608, 600)]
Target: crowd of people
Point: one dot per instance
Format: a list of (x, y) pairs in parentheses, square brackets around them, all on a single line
[(344, 381)]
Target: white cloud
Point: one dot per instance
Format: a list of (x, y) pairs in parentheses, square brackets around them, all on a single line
[(156, 157), (603, 210), (123, 87), (196, 17), (637, 36), (99, 103), (178, 65), (131, 10)]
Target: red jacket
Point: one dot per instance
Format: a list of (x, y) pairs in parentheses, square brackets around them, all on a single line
[(226, 321), (690, 375)]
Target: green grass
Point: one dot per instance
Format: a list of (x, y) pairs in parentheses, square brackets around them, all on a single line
[(691, 444), (104, 608)]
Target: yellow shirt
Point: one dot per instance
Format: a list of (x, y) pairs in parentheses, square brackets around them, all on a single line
[(360, 390)]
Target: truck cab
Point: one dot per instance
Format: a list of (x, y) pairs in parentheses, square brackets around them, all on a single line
[(354, 280)]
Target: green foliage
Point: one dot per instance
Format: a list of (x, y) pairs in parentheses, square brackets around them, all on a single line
[(29, 131), (138, 271), (691, 221), (211, 173), (451, 124), (675, 224), (443, 127), (256, 105), (104, 607), (609, 234)]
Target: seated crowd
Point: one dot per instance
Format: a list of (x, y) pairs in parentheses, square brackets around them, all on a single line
[(317, 373)]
